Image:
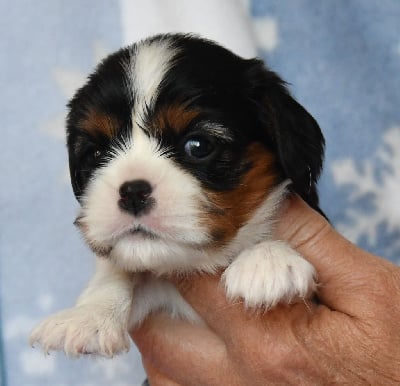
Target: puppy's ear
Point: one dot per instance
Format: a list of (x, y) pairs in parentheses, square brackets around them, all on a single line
[(300, 145), (290, 129)]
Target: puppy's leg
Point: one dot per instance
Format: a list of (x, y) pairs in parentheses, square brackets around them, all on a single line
[(269, 273), (98, 323), (154, 294)]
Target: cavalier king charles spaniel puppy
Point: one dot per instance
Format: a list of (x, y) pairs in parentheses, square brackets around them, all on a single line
[(181, 154)]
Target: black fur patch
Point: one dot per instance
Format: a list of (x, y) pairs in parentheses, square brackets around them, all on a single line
[(241, 95)]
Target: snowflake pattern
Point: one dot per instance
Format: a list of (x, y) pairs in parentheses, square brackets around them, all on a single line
[(266, 33), (33, 363), (68, 81), (294, 38), (374, 193)]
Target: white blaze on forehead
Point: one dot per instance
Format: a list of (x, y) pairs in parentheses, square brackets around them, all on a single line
[(150, 60)]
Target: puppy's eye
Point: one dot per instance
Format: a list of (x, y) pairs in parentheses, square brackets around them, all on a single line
[(97, 154), (199, 148), (93, 157)]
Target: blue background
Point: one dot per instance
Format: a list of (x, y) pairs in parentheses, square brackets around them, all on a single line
[(342, 59)]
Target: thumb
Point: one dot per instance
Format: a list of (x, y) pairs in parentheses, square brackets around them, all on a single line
[(346, 273)]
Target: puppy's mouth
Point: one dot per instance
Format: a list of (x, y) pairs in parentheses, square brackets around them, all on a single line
[(138, 231)]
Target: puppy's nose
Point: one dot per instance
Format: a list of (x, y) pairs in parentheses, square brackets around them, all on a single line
[(135, 197)]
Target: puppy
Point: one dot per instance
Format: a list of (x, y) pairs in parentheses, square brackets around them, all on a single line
[(180, 155)]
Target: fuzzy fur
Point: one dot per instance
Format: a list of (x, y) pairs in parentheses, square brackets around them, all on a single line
[(219, 143)]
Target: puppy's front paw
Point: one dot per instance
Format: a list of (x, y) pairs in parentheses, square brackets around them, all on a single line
[(84, 329), (269, 273)]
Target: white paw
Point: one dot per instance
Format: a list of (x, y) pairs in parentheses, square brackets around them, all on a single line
[(269, 273), (82, 330)]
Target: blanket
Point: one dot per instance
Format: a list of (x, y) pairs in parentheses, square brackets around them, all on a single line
[(341, 58)]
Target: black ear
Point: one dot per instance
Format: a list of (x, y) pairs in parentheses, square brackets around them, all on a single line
[(292, 131), (300, 146)]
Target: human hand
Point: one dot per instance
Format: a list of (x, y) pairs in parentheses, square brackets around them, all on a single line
[(351, 337)]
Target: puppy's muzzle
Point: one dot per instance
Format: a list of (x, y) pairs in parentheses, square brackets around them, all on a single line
[(135, 197)]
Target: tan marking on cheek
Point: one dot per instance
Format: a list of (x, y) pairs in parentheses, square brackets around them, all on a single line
[(101, 250), (230, 210), (175, 117), (98, 122)]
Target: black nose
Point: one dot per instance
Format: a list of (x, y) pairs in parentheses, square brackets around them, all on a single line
[(135, 197)]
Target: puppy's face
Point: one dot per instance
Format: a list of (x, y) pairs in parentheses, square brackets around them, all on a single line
[(176, 147)]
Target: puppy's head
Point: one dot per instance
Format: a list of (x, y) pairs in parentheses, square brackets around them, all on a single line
[(176, 149)]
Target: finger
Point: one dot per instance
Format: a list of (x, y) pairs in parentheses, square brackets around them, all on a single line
[(208, 298), (163, 342), (156, 378), (346, 273)]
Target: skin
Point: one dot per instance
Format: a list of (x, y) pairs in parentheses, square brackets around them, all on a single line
[(352, 336)]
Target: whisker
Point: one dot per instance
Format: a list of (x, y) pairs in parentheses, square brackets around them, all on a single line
[(165, 151), (120, 145)]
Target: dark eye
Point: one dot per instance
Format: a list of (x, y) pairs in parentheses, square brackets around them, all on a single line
[(199, 148), (93, 157), (97, 154)]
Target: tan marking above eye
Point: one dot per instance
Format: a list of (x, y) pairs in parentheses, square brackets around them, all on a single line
[(99, 122), (175, 117)]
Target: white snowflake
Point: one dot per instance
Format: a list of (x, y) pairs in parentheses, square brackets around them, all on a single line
[(68, 81), (378, 180), (18, 327), (111, 369), (45, 302), (34, 362), (266, 33)]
